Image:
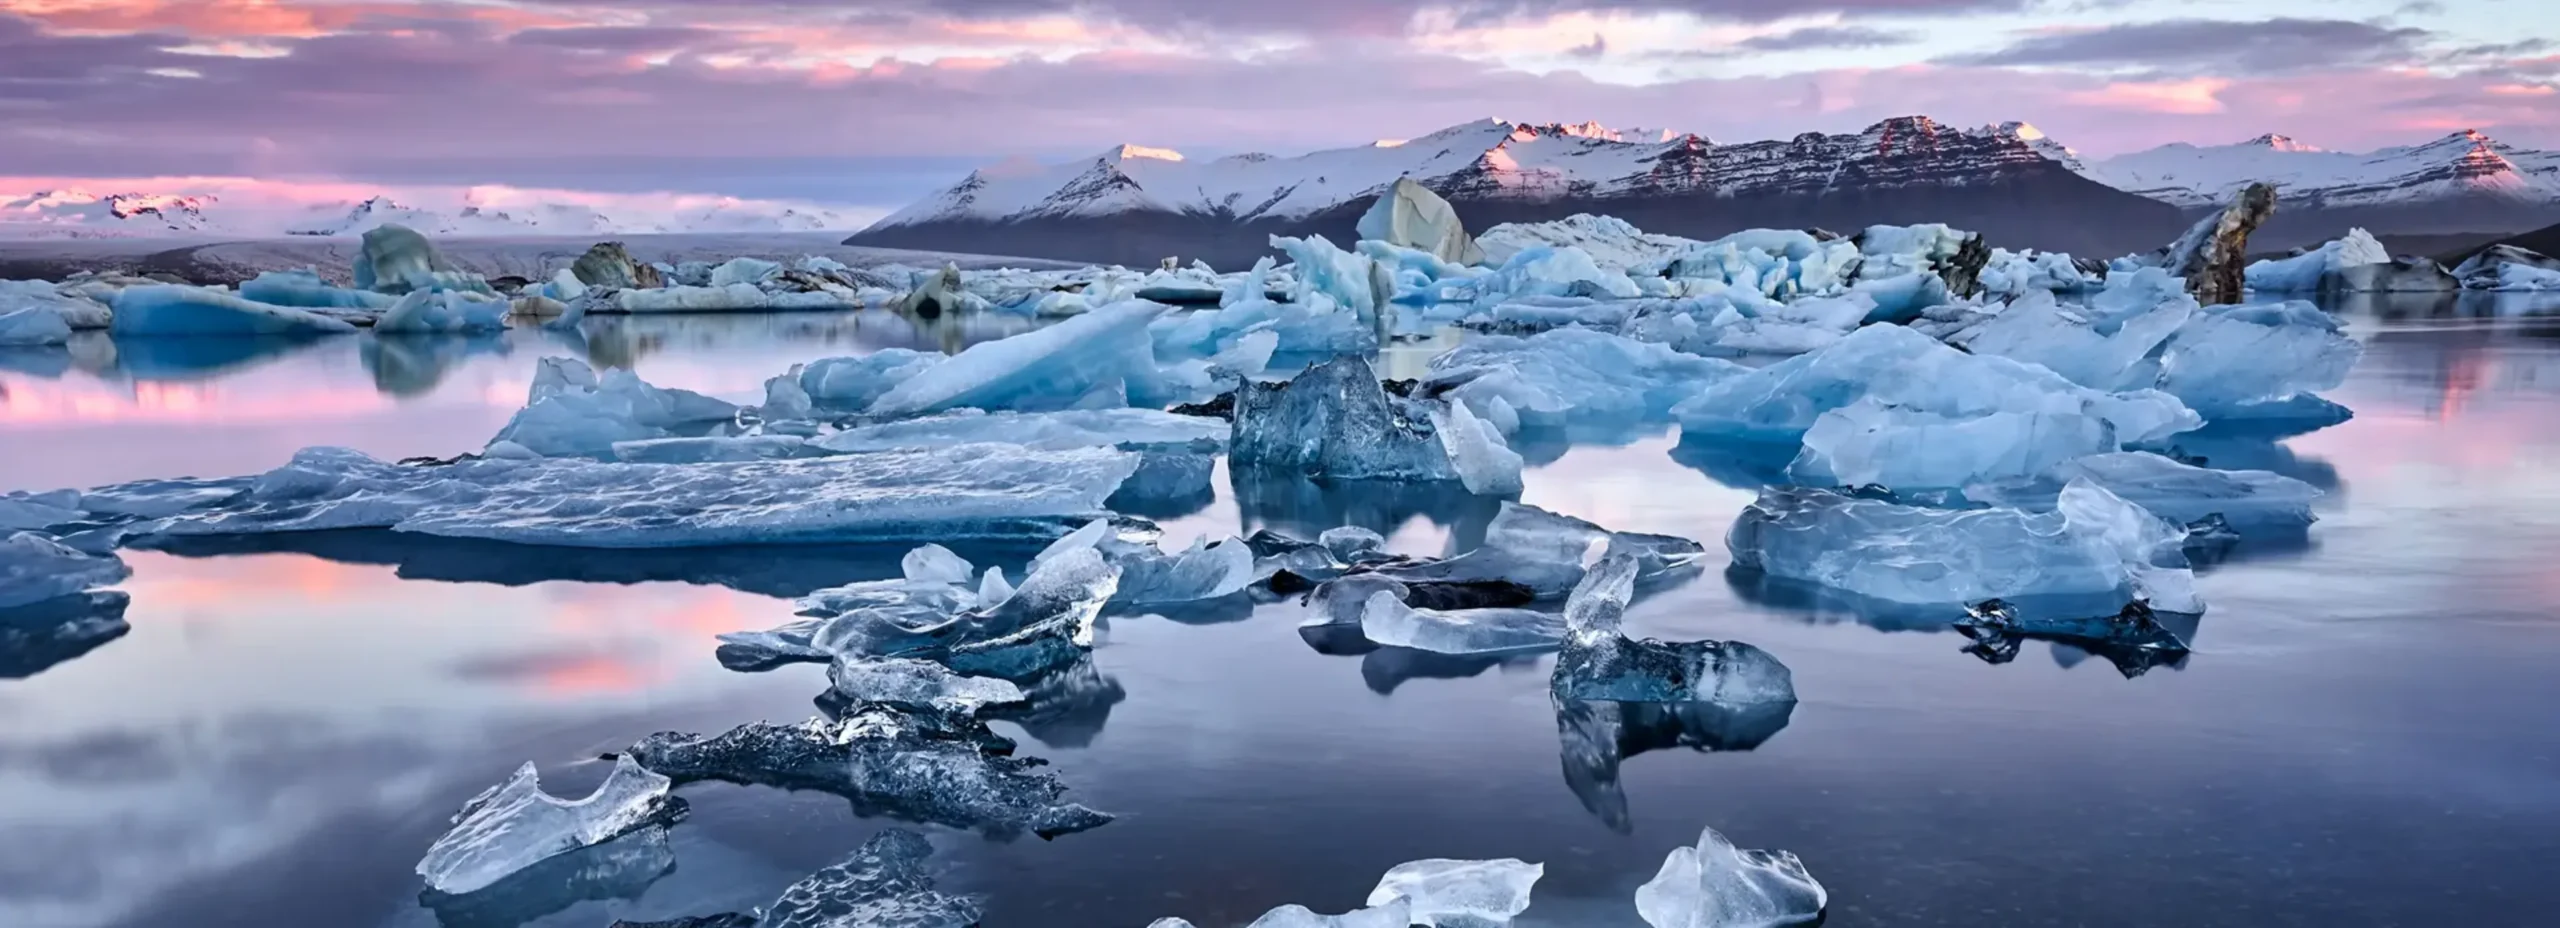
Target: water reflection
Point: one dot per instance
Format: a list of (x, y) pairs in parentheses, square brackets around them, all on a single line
[(1385, 669), (1596, 737), (622, 868), (414, 365), (1293, 505)]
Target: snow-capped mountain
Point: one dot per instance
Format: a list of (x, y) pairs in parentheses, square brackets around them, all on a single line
[(536, 219), (81, 214), (1137, 204), (2462, 182)]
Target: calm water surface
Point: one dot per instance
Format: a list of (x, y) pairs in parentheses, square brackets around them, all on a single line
[(2367, 734)]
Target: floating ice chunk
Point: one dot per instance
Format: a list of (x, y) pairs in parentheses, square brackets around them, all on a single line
[(1386, 620), (1600, 662), (993, 589), (936, 564), (2133, 639), (444, 311), (1047, 623), (2318, 268), (2086, 346), (1542, 552), (1777, 263), (712, 448), (905, 762), (854, 384), (395, 259), (1335, 421), (917, 683), (2013, 274), (1543, 271), (1394, 913), (970, 491), (1203, 571), (622, 868), (564, 286), (34, 568), (305, 289), (1872, 443), (749, 271), (2180, 492), (1044, 369), (1610, 241), (176, 310), (1344, 603), (32, 325), (515, 824), (1060, 430), (2094, 543), (1348, 279), (2228, 359), (1717, 885), (1409, 215), (1477, 452), (1468, 892), (573, 412), (883, 884), (1572, 374), (1315, 327), (77, 310), (732, 298)]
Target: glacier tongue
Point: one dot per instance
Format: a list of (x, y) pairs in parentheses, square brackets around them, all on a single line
[(515, 824), (1717, 885), (968, 491)]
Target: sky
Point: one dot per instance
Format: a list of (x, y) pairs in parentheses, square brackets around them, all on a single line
[(872, 103)]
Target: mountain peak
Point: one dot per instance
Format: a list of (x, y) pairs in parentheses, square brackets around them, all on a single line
[(1127, 152), (2279, 143)]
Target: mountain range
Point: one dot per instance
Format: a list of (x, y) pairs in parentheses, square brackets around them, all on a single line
[(81, 214), (1135, 205)]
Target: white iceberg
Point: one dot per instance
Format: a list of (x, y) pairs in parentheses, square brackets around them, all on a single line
[(2237, 362), (1783, 264), (32, 326), (1061, 366), (1072, 428), (2092, 543), (968, 491), (35, 568), (1409, 215), (180, 310), (444, 311), (1465, 892), (515, 825), (2180, 492), (307, 290), (1609, 240), (1386, 620), (1572, 375), (1717, 885), (2320, 268), (1353, 282), (1486, 465), (925, 684), (77, 310), (848, 384), (1392, 914), (571, 411)]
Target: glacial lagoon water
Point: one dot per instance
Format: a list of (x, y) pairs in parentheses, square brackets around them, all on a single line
[(2367, 734)]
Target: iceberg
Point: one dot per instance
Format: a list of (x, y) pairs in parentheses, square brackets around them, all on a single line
[(180, 310), (2132, 639), (515, 824), (1409, 215), (711, 448), (1336, 422), (969, 491), (306, 290), (2093, 543), (1951, 260), (1571, 375), (2105, 346), (395, 259), (33, 325), (1128, 429), (1315, 327), (2014, 274), (1609, 240), (1717, 885), (2256, 361), (2497, 267), (1486, 465), (1153, 576), (76, 309), (1782, 264), (854, 384), (444, 311), (571, 411), (1393, 914), (2180, 492), (922, 684), (2212, 256), (1541, 552), (35, 568), (1544, 271), (2321, 268), (38, 636), (749, 271), (1058, 367), (1601, 663), (1464, 893), (610, 265), (1386, 620), (1354, 282), (903, 762)]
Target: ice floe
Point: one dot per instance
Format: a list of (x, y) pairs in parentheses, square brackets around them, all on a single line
[(1459, 893), (35, 567), (515, 824), (1717, 885)]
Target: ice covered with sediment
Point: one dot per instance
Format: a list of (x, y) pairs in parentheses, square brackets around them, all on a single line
[(1460, 893), (77, 310), (34, 567), (1888, 405), (1071, 428), (170, 309), (515, 824), (444, 311), (1608, 240), (2091, 542), (966, 491), (907, 681), (306, 289), (2180, 492), (572, 411), (1386, 620), (1600, 662), (1717, 885), (1101, 354), (32, 326), (1571, 375), (2305, 272)]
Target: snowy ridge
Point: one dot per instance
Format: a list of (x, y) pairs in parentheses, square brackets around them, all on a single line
[(81, 214), (72, 213), (1490, 159), (2461, 164)]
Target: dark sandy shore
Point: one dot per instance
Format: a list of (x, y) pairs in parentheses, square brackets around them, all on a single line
[(229, 262)]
